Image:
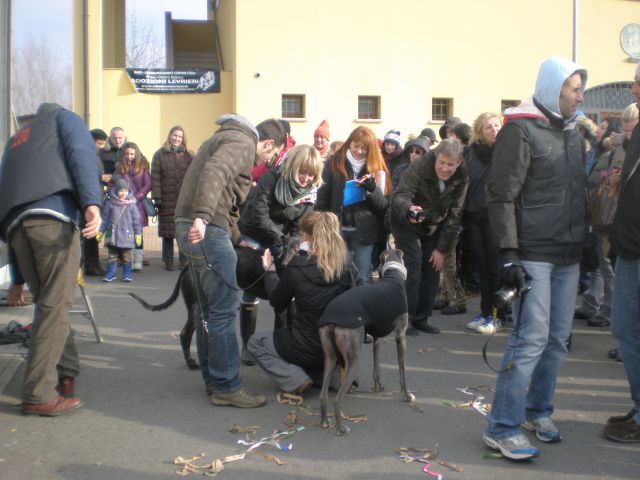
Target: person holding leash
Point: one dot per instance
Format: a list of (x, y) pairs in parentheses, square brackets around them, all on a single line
[(537, 201), (216, 183)]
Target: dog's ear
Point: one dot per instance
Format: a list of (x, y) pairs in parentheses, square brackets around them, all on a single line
[(383, 256), (401, 253)]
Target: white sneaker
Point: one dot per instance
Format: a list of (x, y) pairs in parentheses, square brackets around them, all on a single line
[(476, 322), (489, 326)]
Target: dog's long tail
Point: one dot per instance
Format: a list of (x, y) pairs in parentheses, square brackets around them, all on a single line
[(169, 301)]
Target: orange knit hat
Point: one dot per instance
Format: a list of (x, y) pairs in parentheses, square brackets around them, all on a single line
[(323, 130)]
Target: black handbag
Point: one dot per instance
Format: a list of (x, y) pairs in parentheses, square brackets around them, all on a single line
[(147, 204)]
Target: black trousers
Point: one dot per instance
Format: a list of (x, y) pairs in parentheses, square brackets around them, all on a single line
[(485, 255), (422, 280), (91, 253)]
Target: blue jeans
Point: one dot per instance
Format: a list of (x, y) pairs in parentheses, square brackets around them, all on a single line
[(361, 253), (217, 344), (536, 348), (625, 322)]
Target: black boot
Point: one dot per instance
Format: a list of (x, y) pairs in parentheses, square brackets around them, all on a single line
[(248, 317), (422, 324)]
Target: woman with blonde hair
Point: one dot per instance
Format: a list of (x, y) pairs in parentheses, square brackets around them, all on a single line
[(361, 216), (293, 355), (133, 167), (272, 213), (475, 219), (168, 168)]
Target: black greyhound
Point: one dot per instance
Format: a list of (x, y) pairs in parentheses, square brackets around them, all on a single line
[(379, 309), (249, 273)]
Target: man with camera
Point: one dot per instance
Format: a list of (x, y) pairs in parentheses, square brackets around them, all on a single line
[(538, 211), (425, 221)]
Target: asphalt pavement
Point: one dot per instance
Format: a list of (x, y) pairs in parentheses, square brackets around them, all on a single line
[(143, 407)]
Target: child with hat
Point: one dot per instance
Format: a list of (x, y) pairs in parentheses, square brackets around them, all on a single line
[(122, 230)]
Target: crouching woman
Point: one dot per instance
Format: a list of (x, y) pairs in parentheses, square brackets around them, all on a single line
[(293, 355)]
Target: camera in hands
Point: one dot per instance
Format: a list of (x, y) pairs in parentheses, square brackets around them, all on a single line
[(420, 216), (503, 297)]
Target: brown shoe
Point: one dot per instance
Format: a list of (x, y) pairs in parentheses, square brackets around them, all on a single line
[(54, 407), (66, 386), (303, 386), (169, 266)]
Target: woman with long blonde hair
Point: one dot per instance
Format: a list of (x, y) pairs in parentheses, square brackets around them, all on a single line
[(361, 220), (293, 355), (476, 219)]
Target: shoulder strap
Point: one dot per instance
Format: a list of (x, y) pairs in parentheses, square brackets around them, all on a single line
[(133, 179)]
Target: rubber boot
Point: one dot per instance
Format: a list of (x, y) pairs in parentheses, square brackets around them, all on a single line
[(248, 317), (136, 259), (126, 272), (110, 276)]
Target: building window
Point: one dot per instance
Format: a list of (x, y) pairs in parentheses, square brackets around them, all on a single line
[(368, 107), (504, 104), (441, 109), (293, 106)]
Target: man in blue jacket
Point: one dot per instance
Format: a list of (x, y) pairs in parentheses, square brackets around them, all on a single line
[(537, 205), (49, 187), (625, 322)]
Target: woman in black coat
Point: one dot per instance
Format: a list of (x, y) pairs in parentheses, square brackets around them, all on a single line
[(476, 218), (293, 355), (273, 210)]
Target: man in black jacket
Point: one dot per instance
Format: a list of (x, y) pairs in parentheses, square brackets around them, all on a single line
[(425, 221), (625, 322), (537, 205)]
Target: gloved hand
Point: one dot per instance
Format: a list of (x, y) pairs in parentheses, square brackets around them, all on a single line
[(99, 236), (369, 184), (276, 251), (512, 273), (157, 202), (138, 239)]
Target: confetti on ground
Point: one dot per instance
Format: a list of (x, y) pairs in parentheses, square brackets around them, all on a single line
[(189, 465), (426, 456)]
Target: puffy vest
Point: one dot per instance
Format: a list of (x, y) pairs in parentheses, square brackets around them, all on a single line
[(33, 164)]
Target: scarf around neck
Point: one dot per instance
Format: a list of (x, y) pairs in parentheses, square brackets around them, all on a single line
[(288, 192), (356, 165)]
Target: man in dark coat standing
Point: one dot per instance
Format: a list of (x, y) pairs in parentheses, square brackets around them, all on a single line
[(40, 215)]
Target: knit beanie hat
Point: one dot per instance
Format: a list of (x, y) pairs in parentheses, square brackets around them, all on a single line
[(322, 130), (429, 133), (392, 136), (98, 134), (121, 185)]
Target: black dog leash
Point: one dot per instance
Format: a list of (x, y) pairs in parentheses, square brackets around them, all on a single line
[(517, 328)]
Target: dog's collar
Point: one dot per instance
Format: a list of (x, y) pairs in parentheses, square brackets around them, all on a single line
[(394, 266)]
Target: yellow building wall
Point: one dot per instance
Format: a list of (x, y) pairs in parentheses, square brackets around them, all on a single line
[(409, 51), (147, 118)]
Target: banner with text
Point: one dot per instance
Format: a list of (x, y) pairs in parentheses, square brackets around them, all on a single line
[(159, 80)]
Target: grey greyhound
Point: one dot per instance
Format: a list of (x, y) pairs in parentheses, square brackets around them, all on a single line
[(378, 309)]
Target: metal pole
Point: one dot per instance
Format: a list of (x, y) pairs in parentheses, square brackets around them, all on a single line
[(575, 31), (5, 79)]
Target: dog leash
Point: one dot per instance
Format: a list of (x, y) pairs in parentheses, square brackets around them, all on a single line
[(515, 332)]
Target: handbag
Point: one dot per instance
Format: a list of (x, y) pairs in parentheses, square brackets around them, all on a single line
[(147, 204), (605, 204)]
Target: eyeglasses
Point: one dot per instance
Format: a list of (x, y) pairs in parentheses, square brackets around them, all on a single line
[(416, 151)]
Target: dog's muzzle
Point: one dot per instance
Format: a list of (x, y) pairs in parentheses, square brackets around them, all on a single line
[(394, 266)]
